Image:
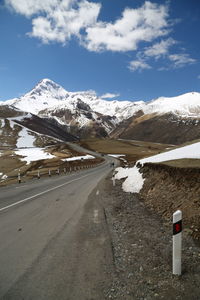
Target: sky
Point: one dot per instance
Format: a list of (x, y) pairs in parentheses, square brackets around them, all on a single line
[(121, 49)]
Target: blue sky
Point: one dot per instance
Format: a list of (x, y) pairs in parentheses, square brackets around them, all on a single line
[(130, 49)]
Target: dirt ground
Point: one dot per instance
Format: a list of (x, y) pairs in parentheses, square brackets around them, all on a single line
[(168, 188), (142, 251), (133, 150)]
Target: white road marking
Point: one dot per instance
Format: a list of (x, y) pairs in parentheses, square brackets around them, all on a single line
[(96, 216), (21, 186), (39, 194)]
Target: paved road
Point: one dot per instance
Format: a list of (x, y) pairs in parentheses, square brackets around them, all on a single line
[(38, 222)]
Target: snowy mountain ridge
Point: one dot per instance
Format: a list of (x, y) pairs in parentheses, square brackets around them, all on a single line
[(49, 95), (186, 105)]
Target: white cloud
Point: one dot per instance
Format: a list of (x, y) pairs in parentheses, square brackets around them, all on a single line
[(159, 49), (138, 65), (57, 20), (136, 25), (60, 20), (198, 77), (31, 7), (180, 60), (110, 96)]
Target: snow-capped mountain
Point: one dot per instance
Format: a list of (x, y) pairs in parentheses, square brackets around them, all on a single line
[(85, 114), (49, 95), (186, 105), (77, 110)]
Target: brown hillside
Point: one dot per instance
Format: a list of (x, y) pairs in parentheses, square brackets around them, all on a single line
[(159, 129)]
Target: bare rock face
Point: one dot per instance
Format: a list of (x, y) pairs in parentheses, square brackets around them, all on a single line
[(82, 106), (7, 111)]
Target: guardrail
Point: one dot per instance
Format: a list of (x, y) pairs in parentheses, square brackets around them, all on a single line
[(23, 176)]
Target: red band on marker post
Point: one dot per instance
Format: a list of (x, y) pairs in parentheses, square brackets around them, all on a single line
[(177, 227)]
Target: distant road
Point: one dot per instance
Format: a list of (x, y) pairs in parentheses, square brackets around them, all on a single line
[(32, 216)]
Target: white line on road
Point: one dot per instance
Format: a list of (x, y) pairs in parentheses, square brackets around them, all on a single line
[(54, 188), (96, 216)]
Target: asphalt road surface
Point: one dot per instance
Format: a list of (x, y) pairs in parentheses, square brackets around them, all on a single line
[(44, 243)]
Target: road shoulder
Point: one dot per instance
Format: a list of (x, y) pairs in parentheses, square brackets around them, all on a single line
[(142, 251)]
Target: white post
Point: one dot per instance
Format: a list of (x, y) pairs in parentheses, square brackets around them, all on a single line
[(49, 173), (38, 175), (113, 179), (58, 171), (177, 242), (19, 178)]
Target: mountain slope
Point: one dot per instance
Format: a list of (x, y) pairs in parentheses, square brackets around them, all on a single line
[(165, 128), (15, 125), (169, 120)]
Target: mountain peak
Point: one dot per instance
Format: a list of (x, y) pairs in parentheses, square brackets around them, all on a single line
[(48, 84)]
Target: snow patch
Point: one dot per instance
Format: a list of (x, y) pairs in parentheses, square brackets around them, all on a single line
[(12, 124), (190, 151), (25, 140), (134, 180), (78, 158), (116, 155), (2, 123), (33, 154)]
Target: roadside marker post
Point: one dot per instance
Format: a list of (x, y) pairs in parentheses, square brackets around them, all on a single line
[(65, 170), (177, 242), (113, 179), (58, 171), (19, 178), (38, 175), (49, 173)]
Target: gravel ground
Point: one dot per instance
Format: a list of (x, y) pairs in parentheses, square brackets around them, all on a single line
[(142, 251)]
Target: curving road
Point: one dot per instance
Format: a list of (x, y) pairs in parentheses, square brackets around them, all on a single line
[(40, 230)]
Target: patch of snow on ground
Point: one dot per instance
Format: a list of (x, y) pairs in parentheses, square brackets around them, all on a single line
[(116, 155), (134, 180), (33, 154), (2, 123), (12, 123), (4, 177), (190, 151), (78, 158), (25, 140)]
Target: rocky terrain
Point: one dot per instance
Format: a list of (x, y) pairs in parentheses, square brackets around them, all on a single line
[(168, 188)]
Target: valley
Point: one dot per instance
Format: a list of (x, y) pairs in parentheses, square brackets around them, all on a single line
[(122, 166)]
